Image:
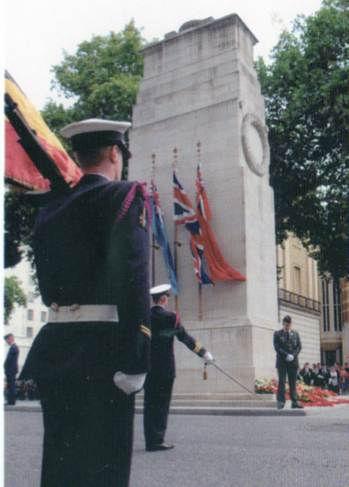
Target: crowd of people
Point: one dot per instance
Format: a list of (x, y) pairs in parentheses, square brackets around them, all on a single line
[(334, 378)]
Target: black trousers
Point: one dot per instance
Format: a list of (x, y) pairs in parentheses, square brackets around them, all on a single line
[(11, 388), (88, 432), (157, 399), (291, 372)]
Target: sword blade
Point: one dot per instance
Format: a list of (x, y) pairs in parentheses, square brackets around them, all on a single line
[(231, 378)]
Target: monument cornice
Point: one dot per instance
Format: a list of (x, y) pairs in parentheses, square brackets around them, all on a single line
[(221, 22)]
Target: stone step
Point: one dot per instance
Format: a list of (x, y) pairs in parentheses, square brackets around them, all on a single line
[(220, 403), (231, 411), (235, 404), (219, 396), (267, 408), (219, 400)]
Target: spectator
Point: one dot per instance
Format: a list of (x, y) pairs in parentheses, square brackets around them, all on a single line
[(306, 374), (321, 377), (344, 380), (333, 381)]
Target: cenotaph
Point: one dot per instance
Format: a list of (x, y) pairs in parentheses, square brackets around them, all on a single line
[(200, 85)]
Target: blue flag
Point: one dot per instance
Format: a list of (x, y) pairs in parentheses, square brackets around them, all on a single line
[(160, 234)]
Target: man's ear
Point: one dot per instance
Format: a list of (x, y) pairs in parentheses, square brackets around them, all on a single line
[(113, 153)]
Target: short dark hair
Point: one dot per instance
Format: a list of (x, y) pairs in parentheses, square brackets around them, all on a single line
[(287, 319), (157, 297), (92, 156), (8, 336)]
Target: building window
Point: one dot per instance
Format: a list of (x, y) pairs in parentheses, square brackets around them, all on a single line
[(43, 315), (297, 286), (337, 308), (325, 306), (30, 314), (29, 332)]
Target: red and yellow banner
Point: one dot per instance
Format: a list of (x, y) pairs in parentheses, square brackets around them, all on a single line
[(19, 167)]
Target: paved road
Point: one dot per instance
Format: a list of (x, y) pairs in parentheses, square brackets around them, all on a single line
[(211, 451)]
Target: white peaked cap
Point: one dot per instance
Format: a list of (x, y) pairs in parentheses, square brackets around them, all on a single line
[(161, 289), (94, 125)]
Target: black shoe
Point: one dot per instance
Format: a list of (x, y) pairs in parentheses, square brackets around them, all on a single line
[(10, 403), (297, 405), (160, 447), (280, 405)]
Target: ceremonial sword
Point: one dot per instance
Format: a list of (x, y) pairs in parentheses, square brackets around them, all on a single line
[(230, 377)]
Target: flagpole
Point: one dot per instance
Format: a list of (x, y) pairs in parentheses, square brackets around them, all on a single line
[(175, 233), (153, 247), (200, 309)]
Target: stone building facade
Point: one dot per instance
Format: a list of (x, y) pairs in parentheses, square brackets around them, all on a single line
[(319, 306), (334, 321), (298, 295)]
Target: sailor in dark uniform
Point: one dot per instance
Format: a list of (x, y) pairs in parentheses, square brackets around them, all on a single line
[(287, 345), (11, 369), (91, 253), (159, 382)]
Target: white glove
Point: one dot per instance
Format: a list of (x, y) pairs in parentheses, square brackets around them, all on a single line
[(208, 358), (129, 383), (289, 357)]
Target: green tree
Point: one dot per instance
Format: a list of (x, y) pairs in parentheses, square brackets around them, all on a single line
[(101, 79), (306, 89), (13, 295), (19, 223)]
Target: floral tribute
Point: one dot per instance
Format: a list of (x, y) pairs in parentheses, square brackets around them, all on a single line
[(307, 395)]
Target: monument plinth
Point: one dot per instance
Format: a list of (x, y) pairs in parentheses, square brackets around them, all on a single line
[(200, 85)]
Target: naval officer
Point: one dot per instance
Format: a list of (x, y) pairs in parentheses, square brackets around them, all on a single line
[(158, 386), (91, 253)]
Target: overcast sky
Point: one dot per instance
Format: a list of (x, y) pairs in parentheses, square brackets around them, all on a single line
[(39, 30)]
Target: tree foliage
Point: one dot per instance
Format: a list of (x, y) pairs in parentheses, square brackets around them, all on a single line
[(19, 224), (101, 79), (306, 89), (13, 295)]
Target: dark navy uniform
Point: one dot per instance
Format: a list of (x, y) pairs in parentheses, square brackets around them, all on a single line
[(286, 343), (307, 376), (91, 247), (11, 370), (165, 326)]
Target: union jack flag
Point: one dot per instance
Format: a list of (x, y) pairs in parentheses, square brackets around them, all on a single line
[(199, 261), (184, 213), (219, 268)]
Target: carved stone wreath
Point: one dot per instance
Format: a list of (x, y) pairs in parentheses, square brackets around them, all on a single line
[(257, 162)]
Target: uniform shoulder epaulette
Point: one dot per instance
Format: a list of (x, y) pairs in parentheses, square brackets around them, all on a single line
[(135, 189)]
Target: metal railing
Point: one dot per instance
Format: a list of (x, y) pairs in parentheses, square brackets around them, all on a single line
[(299, 300)]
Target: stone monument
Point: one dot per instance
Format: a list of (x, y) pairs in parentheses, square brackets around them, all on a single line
[(200, 85)]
